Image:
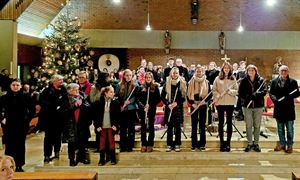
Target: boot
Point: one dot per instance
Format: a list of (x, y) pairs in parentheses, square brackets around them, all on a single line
[(56, 155), (227, 148), (113, 157), (73, 162), (102, 158), (47, 159)]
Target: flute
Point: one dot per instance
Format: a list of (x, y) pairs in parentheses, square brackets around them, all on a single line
[(224, 92), (146, 113), (200, 103), (173, 102), (282, 98), (256, 92), (128, 97)]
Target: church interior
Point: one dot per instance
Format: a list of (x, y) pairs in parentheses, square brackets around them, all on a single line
[(118, 34)]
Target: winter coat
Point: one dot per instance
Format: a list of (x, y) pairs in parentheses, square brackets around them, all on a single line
[(154, 99), (229, 87), (177, 112), (51, 101), (252, 91), (285, 109), (75, 131), (18, 109), (98, 110)]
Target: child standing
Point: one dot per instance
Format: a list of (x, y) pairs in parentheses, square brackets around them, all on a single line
[(107, 111)]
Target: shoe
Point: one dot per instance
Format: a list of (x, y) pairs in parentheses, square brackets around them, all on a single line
[(73, 163), (149, 148), (289, 150), (193, 149), (122, 150), (256, 148), (47, 159), (84, 161), (144, 149), (113, 162), (222, 147), (279, 148), (248, 148), (129, 150), (202, 148), (19, 169), (177, 148), (101, 163), (56, 155), (227, 148), (169, 149)]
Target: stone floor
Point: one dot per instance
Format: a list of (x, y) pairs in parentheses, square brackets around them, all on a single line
[(208, 164)]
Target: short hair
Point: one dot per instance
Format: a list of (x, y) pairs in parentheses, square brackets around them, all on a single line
[(283, 67), (84, 72), (56, 77), (72, 86)]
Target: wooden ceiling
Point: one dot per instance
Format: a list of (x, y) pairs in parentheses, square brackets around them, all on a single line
[(214, 15)]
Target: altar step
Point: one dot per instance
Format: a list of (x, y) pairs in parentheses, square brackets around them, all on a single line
[(188, 165)]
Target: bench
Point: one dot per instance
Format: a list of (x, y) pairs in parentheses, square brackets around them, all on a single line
[(295, 176), (56, 175)]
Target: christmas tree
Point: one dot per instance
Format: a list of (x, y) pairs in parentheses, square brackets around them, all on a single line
[(64, 52)]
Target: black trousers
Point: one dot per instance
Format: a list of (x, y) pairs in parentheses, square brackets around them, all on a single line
[(127, 131), (147, 141), (199, 119), (53, 137), (174, 128), (229, 111)]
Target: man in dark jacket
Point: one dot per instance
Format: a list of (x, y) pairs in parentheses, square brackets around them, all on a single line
[(282, 92), (52, 116)]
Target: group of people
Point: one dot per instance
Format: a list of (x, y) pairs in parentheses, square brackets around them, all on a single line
[(68, 111)]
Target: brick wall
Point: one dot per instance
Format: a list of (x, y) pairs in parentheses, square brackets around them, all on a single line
[(263, 59)]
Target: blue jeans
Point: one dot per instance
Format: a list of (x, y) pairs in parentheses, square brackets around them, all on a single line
[(281, 132)]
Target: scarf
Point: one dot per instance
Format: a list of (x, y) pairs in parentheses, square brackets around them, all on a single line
[(197, 86), (170, 82)]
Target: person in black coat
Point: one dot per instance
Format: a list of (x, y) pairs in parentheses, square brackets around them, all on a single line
[(173, 96), (252, 90), (283, 90), (107, 113), (148, 98), (17, 109), (52, 116), (76, 127)]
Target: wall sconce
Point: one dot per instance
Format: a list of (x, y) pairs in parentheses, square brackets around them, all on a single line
[(194, 11)]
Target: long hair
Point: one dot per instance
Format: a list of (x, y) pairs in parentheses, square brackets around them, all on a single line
[(222, 73), (153, 85), (123, 83)]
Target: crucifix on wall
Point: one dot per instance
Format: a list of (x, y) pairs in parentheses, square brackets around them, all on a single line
[(225, 58)]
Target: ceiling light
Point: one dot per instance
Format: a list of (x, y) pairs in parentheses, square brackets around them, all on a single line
[(270, 2), (240, 28), (148, 27), (117, 1)]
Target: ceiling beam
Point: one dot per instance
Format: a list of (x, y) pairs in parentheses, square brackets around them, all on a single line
[(14, 8)]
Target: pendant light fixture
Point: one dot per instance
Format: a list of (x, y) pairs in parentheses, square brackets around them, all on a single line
[(148, 27)]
